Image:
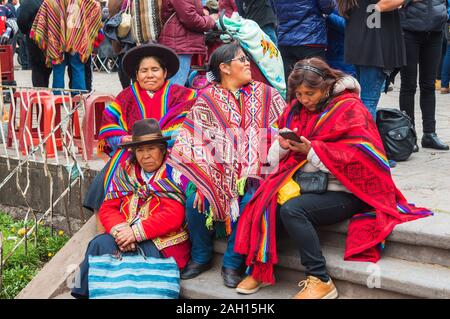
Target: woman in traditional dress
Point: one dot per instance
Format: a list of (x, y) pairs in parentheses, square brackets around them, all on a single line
[(221, 148), (341, 149), (150, 96), (144, 205)]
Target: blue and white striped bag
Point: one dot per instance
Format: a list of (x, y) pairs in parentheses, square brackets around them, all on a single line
[(133, 277)]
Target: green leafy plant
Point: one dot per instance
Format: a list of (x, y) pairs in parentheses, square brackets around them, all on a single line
[(23, 265)]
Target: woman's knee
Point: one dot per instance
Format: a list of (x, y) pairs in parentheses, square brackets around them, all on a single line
[(101, 242), (292, 209)]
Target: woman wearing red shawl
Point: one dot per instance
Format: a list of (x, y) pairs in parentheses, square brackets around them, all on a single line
[(150, 96), (221, 148), (338, 138), (144, 205)]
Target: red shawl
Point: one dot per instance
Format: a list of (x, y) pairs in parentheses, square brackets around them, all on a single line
[(346, 139)]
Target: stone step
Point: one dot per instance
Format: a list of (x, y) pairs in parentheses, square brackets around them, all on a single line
[(392, 275), (209, 285), (425, 240), (432, 231)]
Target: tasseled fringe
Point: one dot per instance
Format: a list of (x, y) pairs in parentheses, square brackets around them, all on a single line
[(176, 176), (234, 209), (100, 147), (263, 272), (241, 186), (209, 218), (228, 226)]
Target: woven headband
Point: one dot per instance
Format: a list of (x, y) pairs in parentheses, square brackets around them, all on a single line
[(310, 68)]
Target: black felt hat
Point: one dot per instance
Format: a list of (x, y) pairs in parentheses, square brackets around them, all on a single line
[(133, 56)]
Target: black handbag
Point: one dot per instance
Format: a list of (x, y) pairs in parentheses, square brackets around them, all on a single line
[(397, 133), (312, 182)]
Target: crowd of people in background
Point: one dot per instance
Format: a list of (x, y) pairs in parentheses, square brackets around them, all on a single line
[(338, 57)]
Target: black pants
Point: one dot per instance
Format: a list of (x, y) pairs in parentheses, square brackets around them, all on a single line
[(301, 214), (292, 55), (423, 49), (40, 73)]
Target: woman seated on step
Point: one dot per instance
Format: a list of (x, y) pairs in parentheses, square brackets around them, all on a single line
[(332, 167), (151, 95), (144, 205)]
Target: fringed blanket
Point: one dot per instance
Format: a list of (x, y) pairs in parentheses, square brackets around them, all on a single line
[(66, 26), (169, 105), (347, 141), (223, 140)]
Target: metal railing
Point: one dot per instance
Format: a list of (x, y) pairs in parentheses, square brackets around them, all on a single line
[(26, 143)]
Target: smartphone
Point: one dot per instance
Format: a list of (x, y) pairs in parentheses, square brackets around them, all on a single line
[(290, 135)]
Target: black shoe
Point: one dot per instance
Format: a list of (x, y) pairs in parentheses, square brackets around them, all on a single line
[(415, 148), (231, 277), (194, 269), (430, 140)]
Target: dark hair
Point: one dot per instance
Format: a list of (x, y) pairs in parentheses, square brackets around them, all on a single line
[(224, 53), (316, 74), (345, 6), (133, 159), (157, 59)]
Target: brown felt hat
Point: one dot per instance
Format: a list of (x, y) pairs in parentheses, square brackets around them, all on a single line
[(146, 131)]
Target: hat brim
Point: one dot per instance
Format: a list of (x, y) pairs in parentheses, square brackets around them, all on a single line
[(135, 144), (133, 57)]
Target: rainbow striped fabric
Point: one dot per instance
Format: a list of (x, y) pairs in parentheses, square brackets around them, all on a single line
[(66, 26)]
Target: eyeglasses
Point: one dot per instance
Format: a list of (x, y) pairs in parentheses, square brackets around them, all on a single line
[(242, 59)]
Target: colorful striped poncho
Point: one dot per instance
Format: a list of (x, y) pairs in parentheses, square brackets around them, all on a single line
[(346, 139), (66, 26), (224, 140), (169, 105)]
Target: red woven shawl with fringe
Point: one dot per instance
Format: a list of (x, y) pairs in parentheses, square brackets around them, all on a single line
[(347, 141)]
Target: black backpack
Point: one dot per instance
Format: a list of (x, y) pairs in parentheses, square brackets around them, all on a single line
[(397, 133)]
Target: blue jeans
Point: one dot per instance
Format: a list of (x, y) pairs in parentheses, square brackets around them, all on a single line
[(371, 80), (78, 76), (185, 66), (202, 238), (445, 75), (269, 29)]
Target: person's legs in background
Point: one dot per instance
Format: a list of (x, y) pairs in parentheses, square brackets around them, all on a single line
[(371, 80), (428, 64), (185, 65), (58, 73), (78, 72), (40, 73), (445, 72)]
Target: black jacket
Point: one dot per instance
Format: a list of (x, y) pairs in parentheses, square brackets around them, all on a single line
[(424, 15), (259, 11), (27, 12)]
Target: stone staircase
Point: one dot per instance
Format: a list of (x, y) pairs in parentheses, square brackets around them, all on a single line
[(415, 264)]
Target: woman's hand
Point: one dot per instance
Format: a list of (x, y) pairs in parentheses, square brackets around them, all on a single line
[(303, 147), (198, 202), (125, 237), (130, 247)]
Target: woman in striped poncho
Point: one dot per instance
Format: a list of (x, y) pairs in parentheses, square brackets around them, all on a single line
[(150, 96)]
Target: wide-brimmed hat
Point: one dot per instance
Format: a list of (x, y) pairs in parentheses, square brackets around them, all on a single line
[(133, 57), (146, 131)]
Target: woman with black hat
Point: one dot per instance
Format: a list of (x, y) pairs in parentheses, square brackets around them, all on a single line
[(143, 207), (150, 96)]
